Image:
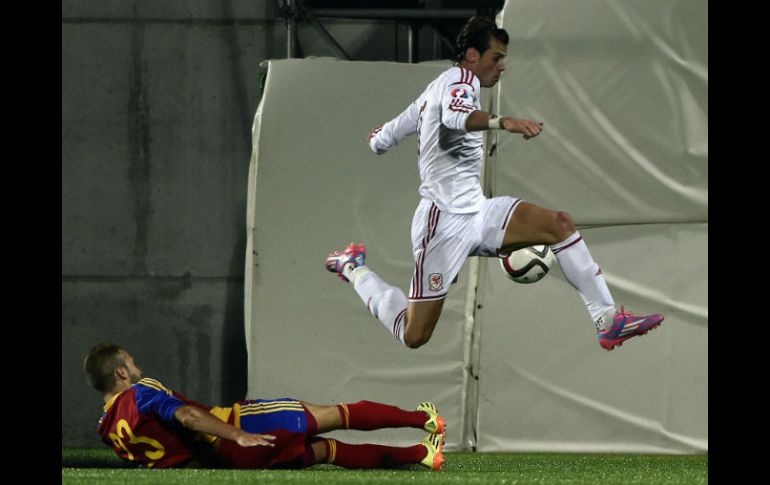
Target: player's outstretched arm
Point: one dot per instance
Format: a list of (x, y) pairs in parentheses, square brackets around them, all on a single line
[(387, 135), (198, 419), (480, 120)]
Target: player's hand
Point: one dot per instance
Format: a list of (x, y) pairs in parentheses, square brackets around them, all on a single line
[(528, 128), (373, 132), (254, 439)]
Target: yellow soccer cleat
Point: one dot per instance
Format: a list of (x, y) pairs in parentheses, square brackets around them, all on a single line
[(435, 423), (434, 443)]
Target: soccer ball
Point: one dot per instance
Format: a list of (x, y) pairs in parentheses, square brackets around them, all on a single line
[(528, 265)]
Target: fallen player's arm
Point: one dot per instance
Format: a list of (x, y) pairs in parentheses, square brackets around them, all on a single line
[(198, 419)]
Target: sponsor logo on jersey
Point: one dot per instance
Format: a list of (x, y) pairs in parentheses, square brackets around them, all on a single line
[(460, 93), (436, 281)]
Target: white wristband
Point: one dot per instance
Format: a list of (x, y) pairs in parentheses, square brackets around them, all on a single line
[(494, 123)]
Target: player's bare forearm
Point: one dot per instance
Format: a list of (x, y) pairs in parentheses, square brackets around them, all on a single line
[(198, 419), (479, 120)]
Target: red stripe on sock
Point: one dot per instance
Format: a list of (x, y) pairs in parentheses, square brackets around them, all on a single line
[(580, 238), (344, 415), (397, 321)]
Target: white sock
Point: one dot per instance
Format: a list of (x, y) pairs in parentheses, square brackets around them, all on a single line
[(586, 277), (347, 271), (387, 303)]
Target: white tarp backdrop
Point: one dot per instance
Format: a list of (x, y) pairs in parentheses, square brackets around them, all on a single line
[(622, 90)]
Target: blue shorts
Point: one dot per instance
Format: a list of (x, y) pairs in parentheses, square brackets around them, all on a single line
[(286, 419), (266, 415)]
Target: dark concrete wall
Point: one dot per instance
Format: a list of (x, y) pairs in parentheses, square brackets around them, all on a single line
[(158, 100)]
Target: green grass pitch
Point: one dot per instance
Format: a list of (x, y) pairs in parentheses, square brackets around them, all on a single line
[(91, 466)]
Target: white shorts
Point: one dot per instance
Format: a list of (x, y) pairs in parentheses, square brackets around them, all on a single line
[(441, 242)]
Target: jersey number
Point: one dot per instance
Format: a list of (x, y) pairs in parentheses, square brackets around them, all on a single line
[(124, 431)]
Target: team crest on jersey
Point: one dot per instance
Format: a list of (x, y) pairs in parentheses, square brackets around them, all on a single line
[(436, 281), (460, 93)]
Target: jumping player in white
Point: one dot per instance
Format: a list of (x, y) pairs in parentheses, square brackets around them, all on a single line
[(454, 220)]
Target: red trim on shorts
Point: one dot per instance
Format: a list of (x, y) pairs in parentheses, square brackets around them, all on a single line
[(433, 216), (508, 215), (308, 457), (435, 223), (427, 298), (312, 424)]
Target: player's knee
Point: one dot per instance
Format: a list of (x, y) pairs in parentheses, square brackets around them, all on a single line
[(415, 341), (420, 322), (320, 452), (414, 338), (563, 226)]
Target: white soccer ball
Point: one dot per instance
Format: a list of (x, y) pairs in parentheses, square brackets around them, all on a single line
[(528, 265)]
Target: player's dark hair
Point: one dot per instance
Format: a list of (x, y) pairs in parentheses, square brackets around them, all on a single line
[(478, 33), (100, 364)]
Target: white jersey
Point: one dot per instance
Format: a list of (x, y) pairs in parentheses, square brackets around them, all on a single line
[(449, 157)]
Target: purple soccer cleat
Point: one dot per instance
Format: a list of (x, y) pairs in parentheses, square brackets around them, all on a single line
[(354, 254), (626, 326)]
